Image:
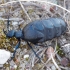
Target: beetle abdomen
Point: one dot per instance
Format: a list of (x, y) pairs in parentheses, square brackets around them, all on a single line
[(43, 30)]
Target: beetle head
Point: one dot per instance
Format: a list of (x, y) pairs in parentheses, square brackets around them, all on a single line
[(10, 33)]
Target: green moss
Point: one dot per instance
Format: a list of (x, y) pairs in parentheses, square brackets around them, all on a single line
[(60, 51)]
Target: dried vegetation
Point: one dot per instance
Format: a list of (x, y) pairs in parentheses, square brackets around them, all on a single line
[(54, 57)]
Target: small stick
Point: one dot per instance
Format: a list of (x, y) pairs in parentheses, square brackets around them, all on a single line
[(24, 10), (55, 63), (13, 19)]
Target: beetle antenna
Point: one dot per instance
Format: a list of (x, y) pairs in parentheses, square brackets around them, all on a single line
[(5, 32), (33, 51), (8, 23)]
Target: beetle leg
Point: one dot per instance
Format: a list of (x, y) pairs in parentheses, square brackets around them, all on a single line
[(16, 47), (33, 51)]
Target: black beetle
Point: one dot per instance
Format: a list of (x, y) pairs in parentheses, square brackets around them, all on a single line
[(39, 31)]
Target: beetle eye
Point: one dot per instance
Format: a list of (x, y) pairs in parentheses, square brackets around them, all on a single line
[(10, 33)]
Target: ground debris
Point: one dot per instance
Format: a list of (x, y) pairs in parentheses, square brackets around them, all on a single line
[(53, 57)]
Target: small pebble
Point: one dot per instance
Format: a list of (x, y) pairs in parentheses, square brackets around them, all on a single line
[(53, 67), (64, 61), (15, 23), (50, 51), (17, 62), (26, 56), (15, 66)]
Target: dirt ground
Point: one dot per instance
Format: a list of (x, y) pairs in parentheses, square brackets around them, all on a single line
[(54, 57)]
